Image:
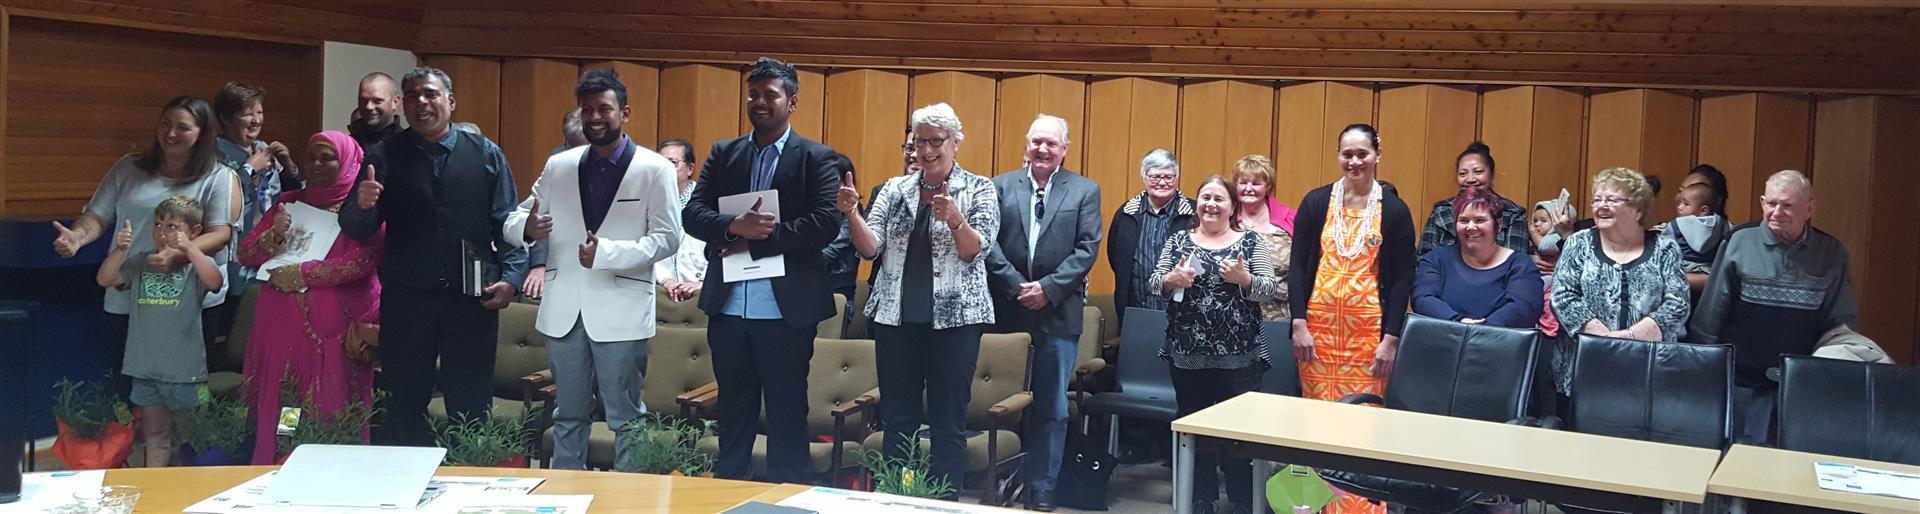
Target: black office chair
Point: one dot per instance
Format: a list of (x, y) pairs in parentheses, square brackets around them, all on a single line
[(1450, 369), (1672, 393), (1284, 377), (1144, 385), (1851, 409)]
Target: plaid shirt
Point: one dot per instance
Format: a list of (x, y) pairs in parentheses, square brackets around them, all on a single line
[(1439, 230)]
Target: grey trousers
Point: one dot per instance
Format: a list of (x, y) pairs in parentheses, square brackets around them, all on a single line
[(581, 368)]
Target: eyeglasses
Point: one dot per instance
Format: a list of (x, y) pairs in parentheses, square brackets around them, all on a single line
[(1162, 179), (1609, 200), (929, 142), (677, 162)]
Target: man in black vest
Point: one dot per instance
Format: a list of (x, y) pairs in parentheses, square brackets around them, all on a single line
[(762, 330), (441, 275)]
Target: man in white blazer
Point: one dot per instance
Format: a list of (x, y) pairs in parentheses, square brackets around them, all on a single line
[(608, 213)]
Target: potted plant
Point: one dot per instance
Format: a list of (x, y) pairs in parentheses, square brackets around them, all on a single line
[(217, 434), (663, 445), (346, 426), (491, 442), (96, 429), (908, 475)]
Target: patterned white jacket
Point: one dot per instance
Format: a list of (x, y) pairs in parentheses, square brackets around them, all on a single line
[(960, 294)]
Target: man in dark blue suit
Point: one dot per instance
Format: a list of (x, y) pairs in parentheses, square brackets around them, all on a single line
[(762, 330)]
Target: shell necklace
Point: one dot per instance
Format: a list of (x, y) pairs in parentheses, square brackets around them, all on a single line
[(1350, 238)]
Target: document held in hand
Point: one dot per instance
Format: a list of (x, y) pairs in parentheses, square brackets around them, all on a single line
[(742, 266), (310, 235)]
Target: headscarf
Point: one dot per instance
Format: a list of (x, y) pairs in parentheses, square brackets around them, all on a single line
[(351, 158)]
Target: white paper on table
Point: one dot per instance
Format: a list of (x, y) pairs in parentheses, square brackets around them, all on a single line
[(250, 496), (824, 499), (1834, 476), (40, 492), (310, 235), (484, 503), (742, 266)]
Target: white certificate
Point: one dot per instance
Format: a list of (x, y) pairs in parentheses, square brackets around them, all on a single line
[(742, 266), (310, 235)]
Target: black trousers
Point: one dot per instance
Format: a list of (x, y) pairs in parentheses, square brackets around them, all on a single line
[(1195, 389), (914, 359), (419, 328), (761, 362)]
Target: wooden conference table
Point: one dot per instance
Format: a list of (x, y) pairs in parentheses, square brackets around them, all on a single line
[(1781, 476), (174, 489), (1550, 465)]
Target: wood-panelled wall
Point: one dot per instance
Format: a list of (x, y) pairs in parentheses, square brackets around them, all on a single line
[(1858, 149), (80, 95)]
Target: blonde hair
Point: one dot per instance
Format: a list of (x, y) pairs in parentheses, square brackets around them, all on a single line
[(1630, 183), (1255, 167), (181, 207)]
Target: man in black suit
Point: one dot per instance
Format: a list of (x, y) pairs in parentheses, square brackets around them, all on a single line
[(1049, 237), (762, 330), (442, 195)]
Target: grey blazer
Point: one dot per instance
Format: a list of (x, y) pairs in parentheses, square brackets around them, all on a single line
[(1065, 251)]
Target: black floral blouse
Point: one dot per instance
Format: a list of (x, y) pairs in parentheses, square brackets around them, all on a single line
[(1216, 324)]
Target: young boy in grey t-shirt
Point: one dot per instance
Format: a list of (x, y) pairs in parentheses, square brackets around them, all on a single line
[(165, 354)]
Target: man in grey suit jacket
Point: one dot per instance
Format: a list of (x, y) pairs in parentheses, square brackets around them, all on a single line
[(1049, 238)]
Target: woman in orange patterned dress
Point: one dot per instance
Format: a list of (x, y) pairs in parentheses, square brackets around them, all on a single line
[(1353, 263)]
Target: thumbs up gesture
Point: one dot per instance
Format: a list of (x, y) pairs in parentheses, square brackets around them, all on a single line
[(67, 242), (1235, 272), (588, 250), (539, 223), (849, 196), (753, 224), (123, 239), (370, 190), (1181, 277)]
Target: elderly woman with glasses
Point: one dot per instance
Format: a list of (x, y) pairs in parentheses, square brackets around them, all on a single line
[(1618, 279), (929, 231)]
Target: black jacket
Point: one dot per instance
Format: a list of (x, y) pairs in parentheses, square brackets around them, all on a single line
[(1123, 239), (807, 186), (1396, 261)]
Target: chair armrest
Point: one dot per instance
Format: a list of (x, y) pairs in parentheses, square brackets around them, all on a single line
[(538, 379), (1363, 398), (857, 404), (1091, 366), (1109, 349), (1011, 406), (547, 392), (700, 396)]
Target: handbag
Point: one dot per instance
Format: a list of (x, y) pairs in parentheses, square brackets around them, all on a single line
[(363, 342), (1084, 478)]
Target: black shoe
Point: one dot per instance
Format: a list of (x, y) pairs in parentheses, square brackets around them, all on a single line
[(1040, 501), (1203, 507)]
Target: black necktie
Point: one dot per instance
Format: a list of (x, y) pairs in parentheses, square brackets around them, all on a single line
[(1039, 205)]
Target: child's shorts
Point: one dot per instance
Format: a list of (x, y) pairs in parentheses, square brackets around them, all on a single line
[(172, 395)]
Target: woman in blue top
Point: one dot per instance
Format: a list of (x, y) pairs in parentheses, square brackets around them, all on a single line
[(1478, 281)]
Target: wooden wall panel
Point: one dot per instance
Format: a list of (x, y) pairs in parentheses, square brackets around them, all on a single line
[(1647, 130), (1559, 121), (476, 92), (643, 99), (972, 97), (702, 105), (809, 118), (6, 33), (536, 95), (1506, 126), (1864, 174), (1022, 98), (1748, 137), (1310, 118), (386, 24), (60, 140), (1126, 118), (1220, 122), (1422, 130), (865, 110)]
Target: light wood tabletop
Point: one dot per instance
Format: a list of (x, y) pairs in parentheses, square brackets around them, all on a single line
[(174, 489), (1654, 470), (1781, 476)]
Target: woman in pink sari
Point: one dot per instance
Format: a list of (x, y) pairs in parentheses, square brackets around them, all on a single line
[(305, 310)]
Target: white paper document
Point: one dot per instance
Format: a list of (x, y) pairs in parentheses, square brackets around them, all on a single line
[(742, 266), (1878, 482), (250, 496), (310, 236), (838, 501), (43, 492)]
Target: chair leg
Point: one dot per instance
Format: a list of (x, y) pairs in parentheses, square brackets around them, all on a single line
[(1261, 471), (1113, 435)]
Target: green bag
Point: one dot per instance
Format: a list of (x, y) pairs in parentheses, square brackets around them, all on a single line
[(1297, 486)]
